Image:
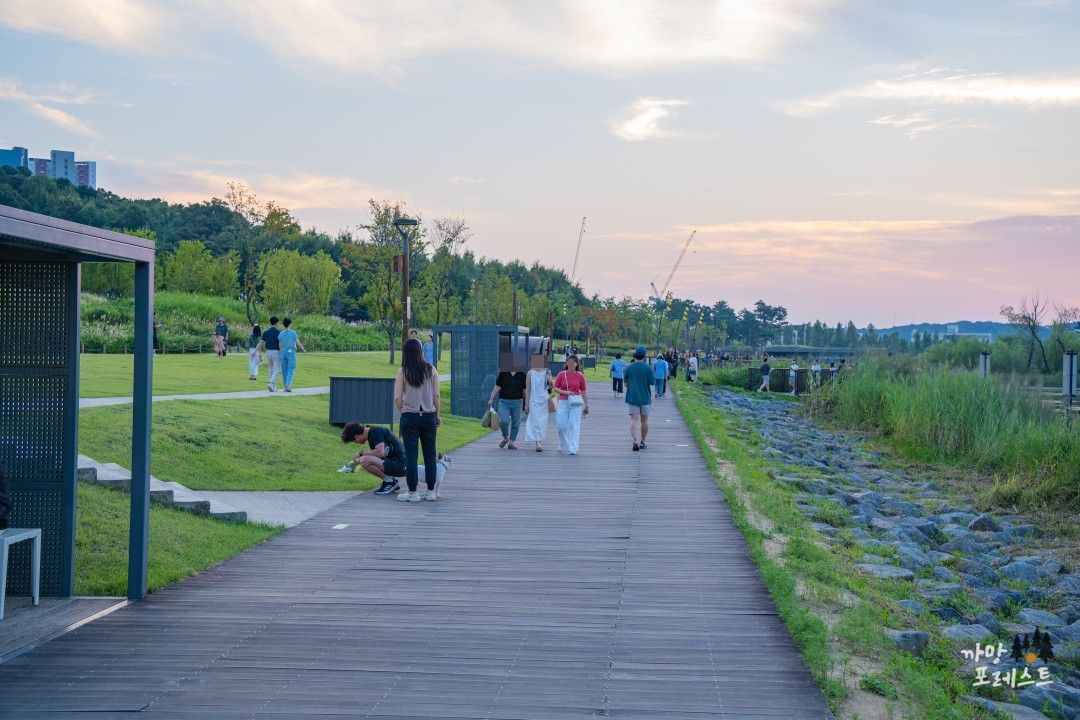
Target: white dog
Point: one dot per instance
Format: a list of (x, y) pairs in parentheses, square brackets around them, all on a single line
[(441, 466)]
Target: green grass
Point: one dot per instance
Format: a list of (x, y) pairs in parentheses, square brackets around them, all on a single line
[(266, 443), (181, 544), (190, 319), (946, 416), (111, 375)]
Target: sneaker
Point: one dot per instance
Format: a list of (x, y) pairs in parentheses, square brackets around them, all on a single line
[(512, 447), (347, 468), (288, 389), (409, 497), (429, 495), (271, 388), (387, 487)]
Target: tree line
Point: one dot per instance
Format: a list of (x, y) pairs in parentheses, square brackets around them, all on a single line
[(239, 247)]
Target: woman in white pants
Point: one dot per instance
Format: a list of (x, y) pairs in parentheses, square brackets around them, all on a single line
[(573, 404), (254, 356)]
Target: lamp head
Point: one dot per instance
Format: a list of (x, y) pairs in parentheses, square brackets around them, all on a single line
[(409, 222)]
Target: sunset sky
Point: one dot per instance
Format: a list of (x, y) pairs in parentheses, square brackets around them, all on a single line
[(884, 162)]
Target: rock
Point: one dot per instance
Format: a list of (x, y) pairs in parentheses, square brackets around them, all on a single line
[(913, 559), (943, 575), (1069, 633), (998, 600), (984, 522), (1068, 614), (924, 525), (1023, 531), (1068, 584), (1040, 618), (846, 499), (949, 615), (957, 517), (913, 641), (1020, 572), (914, 534), (880, 524), (912, 606), (1016, 712), (988, 621), (975, 582), (818, 487), (825, 529), (1056, 698), (938, 557), (996, 559), (891, 506), (929, 486), (871, 498), (1050, 568), (1037, 595), (963, 544), (886, 572), (978, 569), (966, 633)]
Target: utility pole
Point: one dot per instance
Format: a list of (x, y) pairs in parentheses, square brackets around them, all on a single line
[(401, 224)]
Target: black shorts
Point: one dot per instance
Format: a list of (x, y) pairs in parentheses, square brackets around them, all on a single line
[(393, 467)]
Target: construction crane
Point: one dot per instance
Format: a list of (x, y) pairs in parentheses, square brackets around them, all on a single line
[(578, 253), (662, 293)]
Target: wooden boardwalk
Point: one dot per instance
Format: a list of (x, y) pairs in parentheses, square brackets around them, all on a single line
[(610, 584)]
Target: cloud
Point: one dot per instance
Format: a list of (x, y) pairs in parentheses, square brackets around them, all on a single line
[(462, 180), (111, 24), (640, 120), (63, 119), (55, 94), (934, 87), (375, 38), (919, 123)]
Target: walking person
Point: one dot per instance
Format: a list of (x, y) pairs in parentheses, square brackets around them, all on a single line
[(573, 404), (429, 350), (416, 395), (289, 341), (157, 345), (793, 377), (222, 328), (219, 345), (510, 389), (660, 373), (691, 368), (815, 374), (766, 374), (254, 356), (639, 384), (538, 384), (616, 373), (272, 349)]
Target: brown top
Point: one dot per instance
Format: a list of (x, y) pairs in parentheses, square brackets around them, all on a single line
[(423, 399)]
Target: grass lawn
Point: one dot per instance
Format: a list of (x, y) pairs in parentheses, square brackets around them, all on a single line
[(271, 443), (111, 375), (181, 544)]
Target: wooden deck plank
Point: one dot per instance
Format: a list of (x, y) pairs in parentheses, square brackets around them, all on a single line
[(542, 586)]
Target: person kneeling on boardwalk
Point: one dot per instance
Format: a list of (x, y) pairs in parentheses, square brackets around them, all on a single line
[(384, 458)]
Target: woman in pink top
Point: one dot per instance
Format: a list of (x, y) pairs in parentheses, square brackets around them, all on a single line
[(573, 404)]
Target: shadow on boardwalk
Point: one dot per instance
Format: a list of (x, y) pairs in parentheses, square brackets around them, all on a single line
[(541, 586)]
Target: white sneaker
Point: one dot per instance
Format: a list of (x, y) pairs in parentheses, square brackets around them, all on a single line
[(346, 469), (409, 497), (429, 495)]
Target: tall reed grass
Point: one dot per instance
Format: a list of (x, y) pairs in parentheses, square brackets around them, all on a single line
[(997, 425)]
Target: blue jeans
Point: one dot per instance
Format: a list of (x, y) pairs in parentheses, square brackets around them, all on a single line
[(288, 365), (659, 386), (419, 427), (509, 418)]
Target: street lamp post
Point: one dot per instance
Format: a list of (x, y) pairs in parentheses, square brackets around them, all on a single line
[(514, 277), (402, 224)]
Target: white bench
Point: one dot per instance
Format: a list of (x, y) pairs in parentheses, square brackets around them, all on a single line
[(9, 537)]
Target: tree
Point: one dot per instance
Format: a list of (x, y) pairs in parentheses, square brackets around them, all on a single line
[(772, 318), (376, 261), (1027, 322), (448, 236), (247, 213), (191, 268), (295, 283)]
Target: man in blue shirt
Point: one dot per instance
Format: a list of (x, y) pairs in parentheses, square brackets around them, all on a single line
[(616, 373), (639, 382), (272, 351), (660, 368)]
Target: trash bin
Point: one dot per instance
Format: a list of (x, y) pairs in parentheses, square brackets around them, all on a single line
[(362, 399)]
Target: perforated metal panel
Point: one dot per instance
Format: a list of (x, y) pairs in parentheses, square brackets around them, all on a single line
[(474, 367), (38, 414)]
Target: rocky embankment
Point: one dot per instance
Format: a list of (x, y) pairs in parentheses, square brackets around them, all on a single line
[(955, 557)]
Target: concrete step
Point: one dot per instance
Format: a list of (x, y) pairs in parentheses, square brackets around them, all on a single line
[(170, 494)]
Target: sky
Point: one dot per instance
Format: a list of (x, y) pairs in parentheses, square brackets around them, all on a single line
[(883, 162)]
